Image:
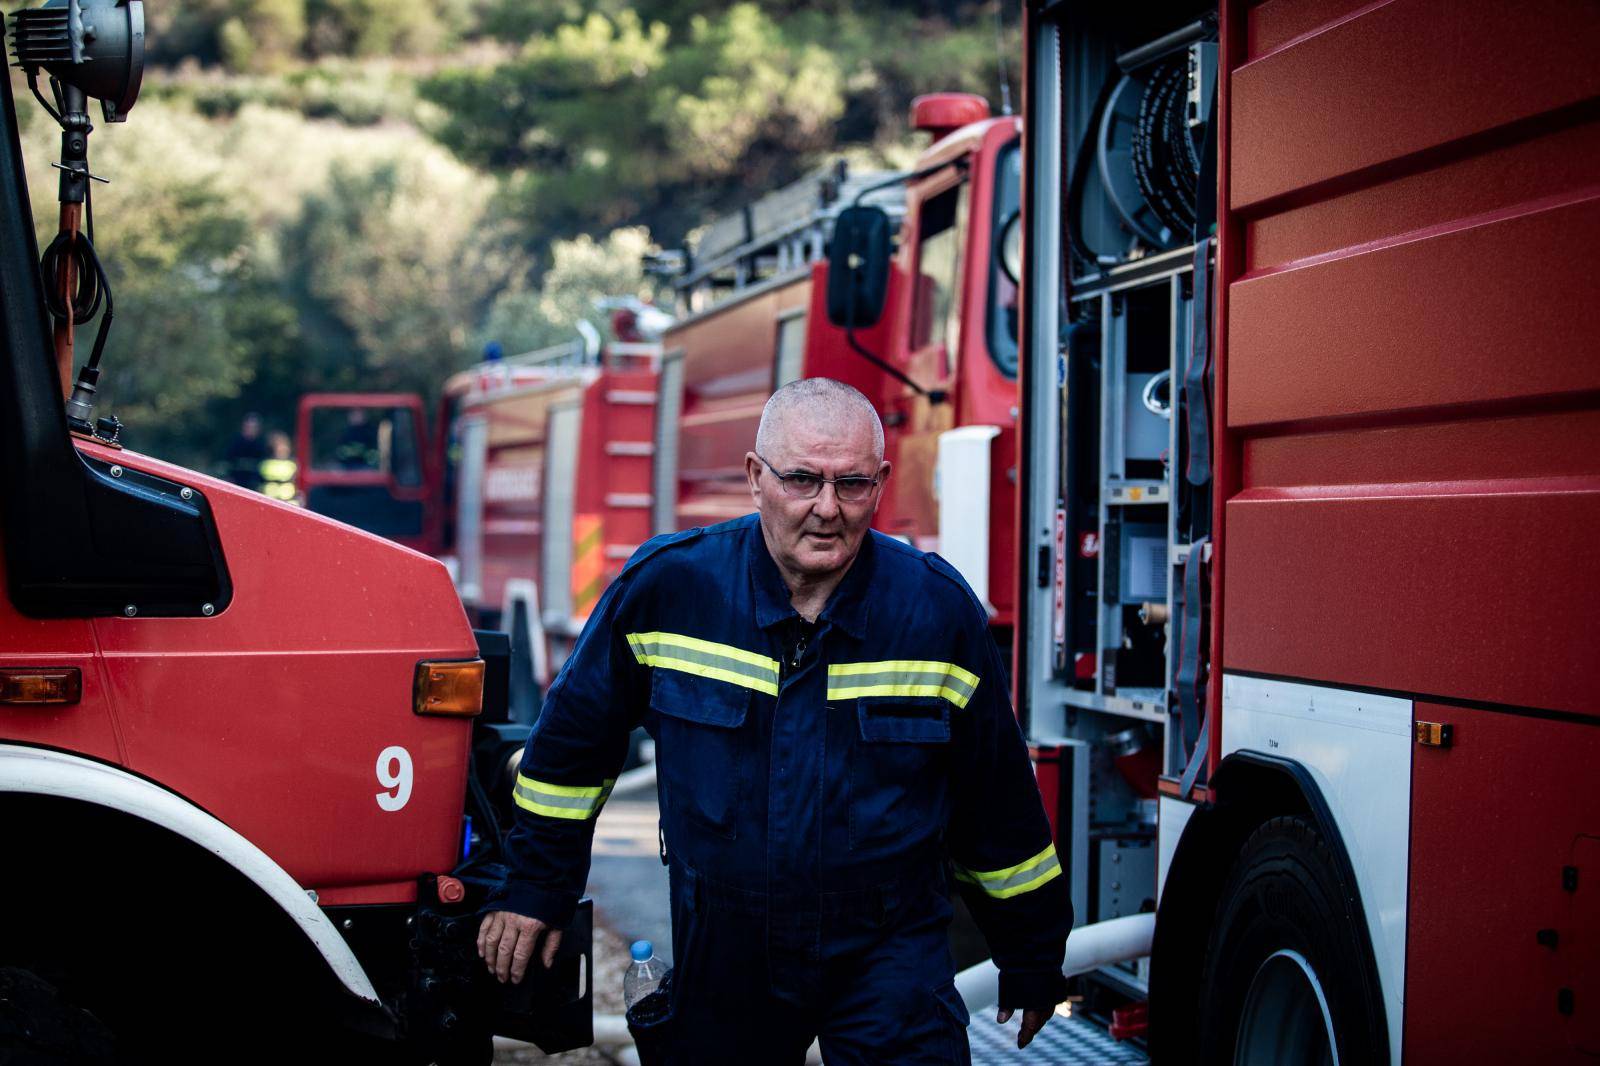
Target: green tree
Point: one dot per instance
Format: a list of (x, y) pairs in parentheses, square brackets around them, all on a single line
[(524, 318), (402, 259), (613, 119)]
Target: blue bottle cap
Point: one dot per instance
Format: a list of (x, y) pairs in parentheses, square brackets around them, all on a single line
[(641, 950)]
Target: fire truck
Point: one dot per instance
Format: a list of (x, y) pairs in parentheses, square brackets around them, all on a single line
[(938, 357), (237, 739), (533, 486), (1311, 456)]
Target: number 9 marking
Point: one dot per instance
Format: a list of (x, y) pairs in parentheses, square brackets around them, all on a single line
[(394, 774)]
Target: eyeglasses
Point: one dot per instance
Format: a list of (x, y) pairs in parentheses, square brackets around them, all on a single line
[(805, 486)]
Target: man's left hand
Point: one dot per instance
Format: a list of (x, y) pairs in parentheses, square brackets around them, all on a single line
[(1032, 1022)]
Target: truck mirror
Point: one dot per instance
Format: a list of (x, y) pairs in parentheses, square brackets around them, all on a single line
[(858, 267), (1011, 248)]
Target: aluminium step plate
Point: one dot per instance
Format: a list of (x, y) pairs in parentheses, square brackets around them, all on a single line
[(1066, 1041)]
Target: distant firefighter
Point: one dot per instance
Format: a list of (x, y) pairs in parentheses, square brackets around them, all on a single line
[(278, 469), (245, 453)]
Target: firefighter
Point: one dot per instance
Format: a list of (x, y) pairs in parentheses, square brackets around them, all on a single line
[(278, 469), (357, 448), (245, 452), (833, 733)]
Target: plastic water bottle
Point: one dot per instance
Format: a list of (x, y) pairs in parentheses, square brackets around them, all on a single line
[(644, 974)]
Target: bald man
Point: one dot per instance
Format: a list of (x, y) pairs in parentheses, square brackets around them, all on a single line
[(833, 738)]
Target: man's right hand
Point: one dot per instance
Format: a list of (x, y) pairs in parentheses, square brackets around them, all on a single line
[(507, 941)]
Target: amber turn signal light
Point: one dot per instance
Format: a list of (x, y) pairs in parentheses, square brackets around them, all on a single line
[(453, 689), (32, 686)]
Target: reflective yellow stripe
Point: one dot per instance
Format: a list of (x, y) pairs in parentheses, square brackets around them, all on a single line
[(715, 673), (588, 563), (852, 691), (907, 666), (574, 802), (589, 539), (549, 812), (902, 677), (704, 658), (678, 640), (278, 469), (588, 791), (1015, 880)]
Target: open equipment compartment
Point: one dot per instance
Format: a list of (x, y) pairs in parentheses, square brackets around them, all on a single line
[(1116, 517)]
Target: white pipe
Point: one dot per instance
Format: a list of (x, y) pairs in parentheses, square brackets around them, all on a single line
[(610, 1031), (637, 778), (1088, 948)]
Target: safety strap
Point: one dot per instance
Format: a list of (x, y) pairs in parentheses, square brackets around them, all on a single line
[(1197, 471), (1187, 682), (1191, 773), (1197, 417), (1196, 374)]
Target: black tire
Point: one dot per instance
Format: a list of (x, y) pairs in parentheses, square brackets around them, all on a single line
[(39, 1028), (1288, 965)]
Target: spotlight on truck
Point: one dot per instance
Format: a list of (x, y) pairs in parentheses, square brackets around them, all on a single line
[(93, 46)]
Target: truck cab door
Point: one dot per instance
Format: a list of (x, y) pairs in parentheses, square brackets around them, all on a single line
[(363, 459)]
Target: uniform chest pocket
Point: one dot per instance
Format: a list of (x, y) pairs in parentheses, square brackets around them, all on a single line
[(699, 746), (898, 767)]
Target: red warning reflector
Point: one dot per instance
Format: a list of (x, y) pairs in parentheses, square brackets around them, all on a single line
[(33, 686), (451, 890), (1132, 1020)]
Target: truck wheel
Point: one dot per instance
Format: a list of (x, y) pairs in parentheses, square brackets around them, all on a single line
[(39, 1028), (1286, 979)]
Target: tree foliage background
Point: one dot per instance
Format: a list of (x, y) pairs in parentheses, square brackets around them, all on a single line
[(359, 194)]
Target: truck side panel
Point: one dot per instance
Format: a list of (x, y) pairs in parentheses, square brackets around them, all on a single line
[(613, 492), (1409, 462), (1494, 933), (516, 479), (1410, 366), (729, 360), (316, 655), (85, 726)]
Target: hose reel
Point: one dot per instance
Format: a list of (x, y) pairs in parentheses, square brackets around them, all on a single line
[(1145, 139), (1148, 156)]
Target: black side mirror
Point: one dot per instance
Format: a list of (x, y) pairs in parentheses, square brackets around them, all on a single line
[(1010, 248), (858, 267)]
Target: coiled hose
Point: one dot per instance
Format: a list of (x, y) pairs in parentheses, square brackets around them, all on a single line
[(91, 290), (1165, 160)]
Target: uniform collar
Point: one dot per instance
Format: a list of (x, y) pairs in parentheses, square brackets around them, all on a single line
[(846, 608)]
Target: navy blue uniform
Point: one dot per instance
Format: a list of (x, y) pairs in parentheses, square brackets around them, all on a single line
[(816, 783)]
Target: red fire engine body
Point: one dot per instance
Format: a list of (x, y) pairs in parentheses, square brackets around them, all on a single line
[(1308, 519), (236, 755)]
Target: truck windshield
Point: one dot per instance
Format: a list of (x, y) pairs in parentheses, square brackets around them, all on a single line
[(372, 439), (1002, 328)]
